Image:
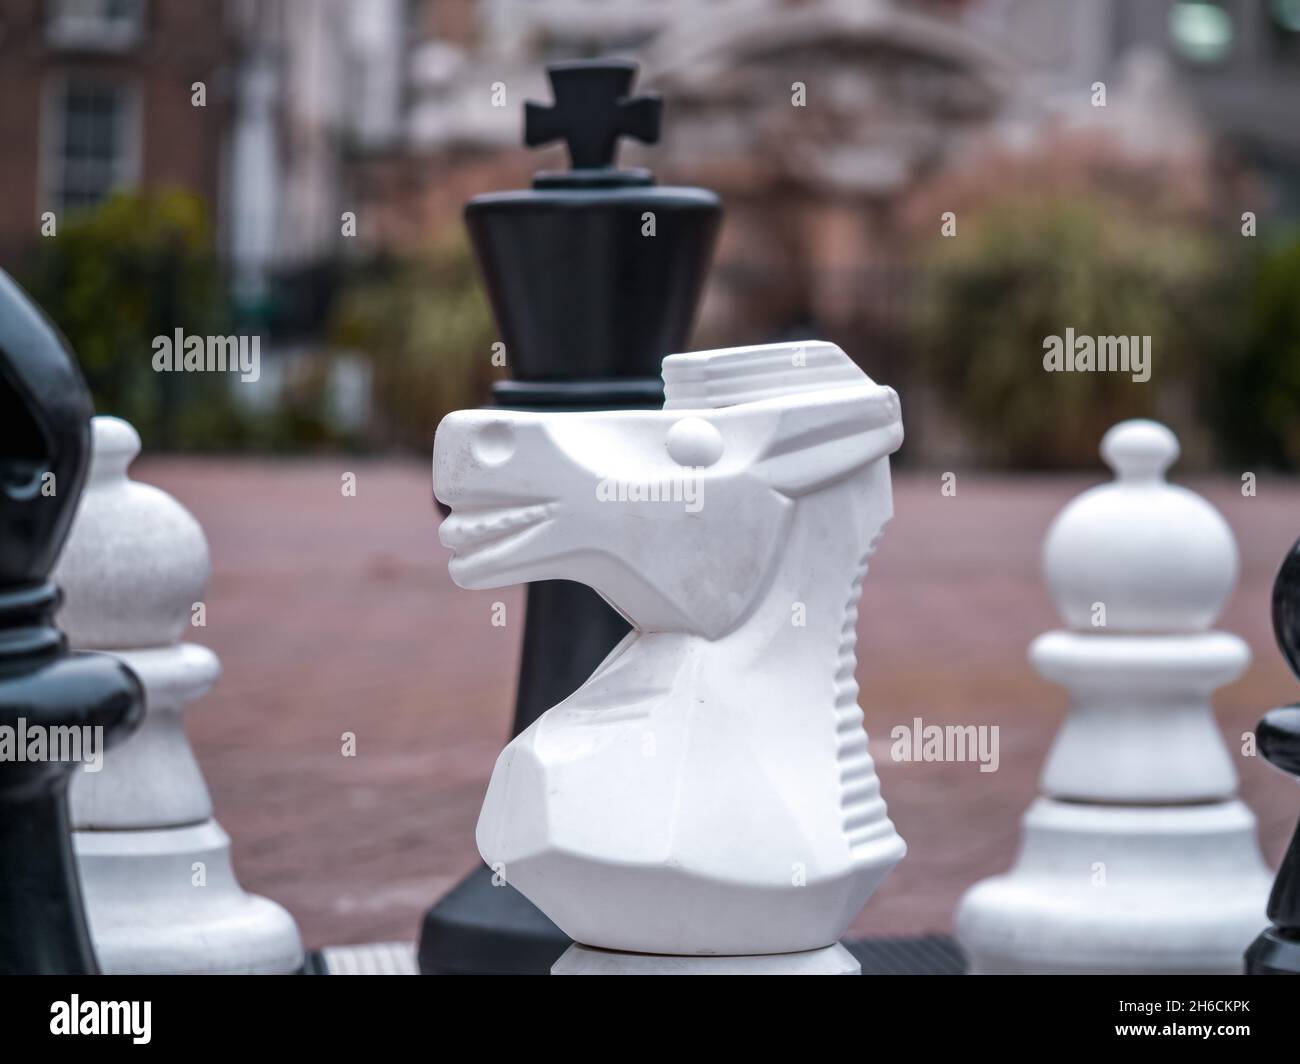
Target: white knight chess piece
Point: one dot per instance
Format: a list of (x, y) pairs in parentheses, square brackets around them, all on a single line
[(708, 792)]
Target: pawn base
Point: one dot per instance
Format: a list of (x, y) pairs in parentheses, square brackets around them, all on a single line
[(166, 902), (1101, 890), (586, 960)]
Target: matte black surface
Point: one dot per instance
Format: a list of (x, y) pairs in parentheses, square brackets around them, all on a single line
[(569, 630), (593, 108), (631, 393), (1277, 950), (44, 429), (482, 929), (313, 963), (588, 306), (578, 289)]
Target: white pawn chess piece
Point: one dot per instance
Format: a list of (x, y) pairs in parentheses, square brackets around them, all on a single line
[(1138, 857), (160, 892), (705, 803)]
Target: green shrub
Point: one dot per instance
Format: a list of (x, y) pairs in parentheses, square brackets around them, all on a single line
[(1021, 271), (424, 324), (114, 277), (1252, 390)]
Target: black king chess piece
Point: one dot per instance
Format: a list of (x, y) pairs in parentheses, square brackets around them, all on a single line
[(594, 275), (1277, 950), (47, 695)]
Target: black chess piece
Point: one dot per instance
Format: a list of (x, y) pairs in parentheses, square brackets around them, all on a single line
[(594, 275), (1277, 950), (44, 690)]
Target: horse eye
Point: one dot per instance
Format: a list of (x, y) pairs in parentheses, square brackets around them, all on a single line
[(494, 443), (694, 442)]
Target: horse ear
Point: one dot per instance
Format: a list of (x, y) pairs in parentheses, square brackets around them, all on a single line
[(818, 442)]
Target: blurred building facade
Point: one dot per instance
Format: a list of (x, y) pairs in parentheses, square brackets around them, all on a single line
[(255, 107), (823, 124), (314, 107), (816, 120), (96, 96)]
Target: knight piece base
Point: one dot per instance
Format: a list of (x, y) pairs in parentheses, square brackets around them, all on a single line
[(1109, 890), (1273, 953), (926, 955), (585, 960), (147, 914)]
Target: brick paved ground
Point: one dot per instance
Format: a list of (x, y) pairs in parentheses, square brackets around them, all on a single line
[(336, 614)]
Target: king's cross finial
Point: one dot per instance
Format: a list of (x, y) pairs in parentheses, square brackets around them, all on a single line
[(592, 110)]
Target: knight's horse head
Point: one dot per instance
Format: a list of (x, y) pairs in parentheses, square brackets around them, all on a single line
[(675, 516)]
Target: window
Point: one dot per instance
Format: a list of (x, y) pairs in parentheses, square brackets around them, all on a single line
[(92, 143), (99, 25), (1201, 30)]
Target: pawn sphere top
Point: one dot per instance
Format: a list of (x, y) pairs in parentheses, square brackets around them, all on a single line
[(1140, 554), (116, 444), (1139, 449), (136, 561)]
